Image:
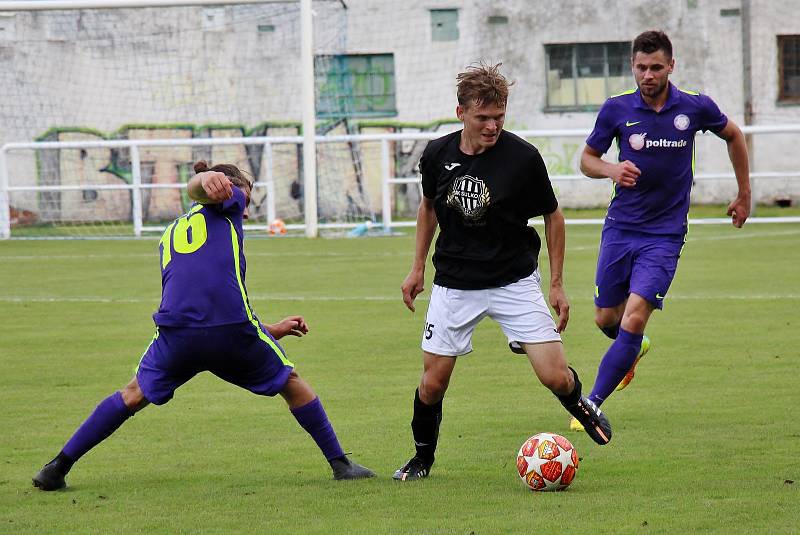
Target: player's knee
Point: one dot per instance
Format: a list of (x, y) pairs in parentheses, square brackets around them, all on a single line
[(432, 388), (297, 392), (293, 380), (296, 384), (606, 317), (558, 382), (133, 397), (634, 322)]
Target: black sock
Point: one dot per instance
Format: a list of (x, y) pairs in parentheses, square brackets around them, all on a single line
[(425, 426), (573, 397), (612, 332), (63, 462)]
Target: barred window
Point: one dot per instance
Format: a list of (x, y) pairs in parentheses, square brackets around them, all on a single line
[(789, 68), (355, 85), (581, 76)]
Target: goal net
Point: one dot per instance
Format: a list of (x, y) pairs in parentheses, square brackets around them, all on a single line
[(88, 84), (90, 95)]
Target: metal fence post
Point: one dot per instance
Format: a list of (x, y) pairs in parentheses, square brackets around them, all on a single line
[(5, 198), (267, 163), (386, 190), (136, 193)]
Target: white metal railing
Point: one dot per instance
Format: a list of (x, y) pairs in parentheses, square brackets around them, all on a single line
[(388, 179), (306, 77)]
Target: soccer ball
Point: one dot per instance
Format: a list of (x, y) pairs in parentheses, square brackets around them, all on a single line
[(277, 228), (547, 462)]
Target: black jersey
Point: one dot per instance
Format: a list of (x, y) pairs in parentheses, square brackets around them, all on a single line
[(483, 203)]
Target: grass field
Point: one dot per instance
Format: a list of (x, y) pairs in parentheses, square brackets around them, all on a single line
[(125, 230), (705, 439)]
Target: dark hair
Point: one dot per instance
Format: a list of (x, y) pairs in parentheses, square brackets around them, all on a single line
[(236, 175), (482, 84), (652, 41)]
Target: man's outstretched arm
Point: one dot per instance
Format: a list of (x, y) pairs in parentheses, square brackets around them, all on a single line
[(292, 325), (623, 173), (739, 208), (414, 284), (555, 236), (209, 187)]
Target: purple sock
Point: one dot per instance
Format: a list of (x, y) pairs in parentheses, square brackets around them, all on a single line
[(615, 364), (313, 419), (106, 418)]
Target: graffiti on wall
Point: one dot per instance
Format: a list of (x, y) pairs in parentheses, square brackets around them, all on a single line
[(158, 166), (349, 174)]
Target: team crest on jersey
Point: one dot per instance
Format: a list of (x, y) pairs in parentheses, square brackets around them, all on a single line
[(637, 141), (681, 122), (470, 196)]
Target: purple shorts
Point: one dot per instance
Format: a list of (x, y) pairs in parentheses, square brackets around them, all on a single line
[(635, 262), (240, 354)]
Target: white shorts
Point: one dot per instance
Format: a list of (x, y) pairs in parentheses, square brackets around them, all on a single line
[(519, 308)]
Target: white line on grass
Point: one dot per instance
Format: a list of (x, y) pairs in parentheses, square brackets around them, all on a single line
[(736, 235), (379, 298), (74, 256), (154, 255)]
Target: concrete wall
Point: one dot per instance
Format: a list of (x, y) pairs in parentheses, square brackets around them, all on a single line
[(707, 41), (238, 68)]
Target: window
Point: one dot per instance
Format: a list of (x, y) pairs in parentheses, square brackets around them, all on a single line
[(581, 76), (7, 27), (789, 68), (212, 19), (62, 26), (359, 85), (444, 25)]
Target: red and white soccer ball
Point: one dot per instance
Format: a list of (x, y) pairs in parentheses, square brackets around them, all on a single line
[(547, 462), (277, 228)]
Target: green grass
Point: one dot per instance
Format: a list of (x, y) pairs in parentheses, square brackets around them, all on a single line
[(705, 438), (125, 230), (697, 211)]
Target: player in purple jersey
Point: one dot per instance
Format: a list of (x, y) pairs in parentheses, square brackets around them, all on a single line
[(655, 127), (205, 323)]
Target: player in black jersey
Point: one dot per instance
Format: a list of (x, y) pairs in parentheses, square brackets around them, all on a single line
[(481, 185)]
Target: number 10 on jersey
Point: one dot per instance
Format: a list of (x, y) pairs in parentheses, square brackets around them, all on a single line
[(189, 235)]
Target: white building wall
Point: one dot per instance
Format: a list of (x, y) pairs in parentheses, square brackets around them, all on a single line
[(774, 152), (707, 41), (156, 67)]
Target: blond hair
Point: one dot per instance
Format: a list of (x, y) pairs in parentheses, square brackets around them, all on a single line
[(481, 84)]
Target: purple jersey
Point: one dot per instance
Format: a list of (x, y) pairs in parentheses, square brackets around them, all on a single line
[(661, 144), (203, 267)]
